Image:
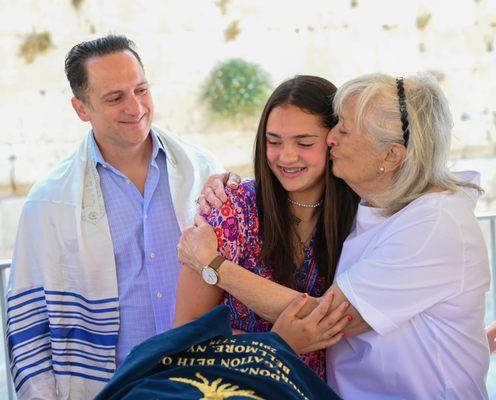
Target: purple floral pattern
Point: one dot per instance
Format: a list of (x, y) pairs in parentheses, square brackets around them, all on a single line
[(236, 225)]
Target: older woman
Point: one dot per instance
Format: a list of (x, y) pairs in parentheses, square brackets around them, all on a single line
[(415, 266)]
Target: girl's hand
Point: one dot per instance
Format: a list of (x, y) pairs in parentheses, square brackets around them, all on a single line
[(491, 337), (315, 331), (198, 245)]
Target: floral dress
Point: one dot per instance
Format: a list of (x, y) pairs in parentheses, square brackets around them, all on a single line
[(236, 225)]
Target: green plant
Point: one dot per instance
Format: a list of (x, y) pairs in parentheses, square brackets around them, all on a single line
[(236, 89)]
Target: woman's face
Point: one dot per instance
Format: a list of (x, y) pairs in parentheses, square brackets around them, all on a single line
[(354, 157), (297, 151)]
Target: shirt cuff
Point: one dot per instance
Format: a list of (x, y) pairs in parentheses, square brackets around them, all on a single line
[(379, 322)]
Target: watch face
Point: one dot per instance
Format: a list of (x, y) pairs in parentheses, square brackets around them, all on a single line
[(209, 275)]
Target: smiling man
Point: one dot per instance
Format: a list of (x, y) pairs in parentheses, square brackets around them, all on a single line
[(95, 265)]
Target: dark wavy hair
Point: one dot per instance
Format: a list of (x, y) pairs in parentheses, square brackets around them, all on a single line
[(313, 95), (75, 60)]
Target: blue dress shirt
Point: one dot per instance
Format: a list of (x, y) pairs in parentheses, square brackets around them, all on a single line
[(144, 233)]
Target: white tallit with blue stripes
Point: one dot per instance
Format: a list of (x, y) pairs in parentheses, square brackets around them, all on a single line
[(62, 302)]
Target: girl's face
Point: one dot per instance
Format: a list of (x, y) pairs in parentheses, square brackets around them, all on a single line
[(297, 151)]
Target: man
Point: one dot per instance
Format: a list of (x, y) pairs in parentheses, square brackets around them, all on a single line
[(95, 264)]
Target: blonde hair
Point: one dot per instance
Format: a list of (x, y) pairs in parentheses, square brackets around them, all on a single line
[(430, 124)]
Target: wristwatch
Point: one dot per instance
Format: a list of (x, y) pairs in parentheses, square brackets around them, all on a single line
[(209, 272)]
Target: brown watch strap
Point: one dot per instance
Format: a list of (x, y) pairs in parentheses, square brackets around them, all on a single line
[(216, 262)]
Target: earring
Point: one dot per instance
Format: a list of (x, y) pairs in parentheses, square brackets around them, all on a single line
[(382, 170)]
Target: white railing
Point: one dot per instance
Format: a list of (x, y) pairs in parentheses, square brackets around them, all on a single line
[(5, 264), (491, 218)]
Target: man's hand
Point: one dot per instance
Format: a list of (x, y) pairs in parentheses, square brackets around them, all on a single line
[(213, 193), (315, 331)]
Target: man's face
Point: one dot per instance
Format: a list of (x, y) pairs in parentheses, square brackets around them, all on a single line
[(119, 105)]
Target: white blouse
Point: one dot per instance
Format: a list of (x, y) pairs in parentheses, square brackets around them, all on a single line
[(418, 278)]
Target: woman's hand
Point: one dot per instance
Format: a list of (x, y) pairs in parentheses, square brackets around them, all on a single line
[(491, 337), (197, 245), (213, 193), (315, 331)]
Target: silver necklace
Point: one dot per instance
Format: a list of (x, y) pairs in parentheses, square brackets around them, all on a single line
[(305, 205)]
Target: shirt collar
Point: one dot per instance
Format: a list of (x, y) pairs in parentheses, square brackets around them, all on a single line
[(156, 144), (97, 157)]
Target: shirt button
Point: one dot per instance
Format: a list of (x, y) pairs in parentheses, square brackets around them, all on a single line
[(104, 165), (128, 181), (159, 295), (152, 255)]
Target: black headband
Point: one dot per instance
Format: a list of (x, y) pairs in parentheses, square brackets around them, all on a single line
[(404, 114)]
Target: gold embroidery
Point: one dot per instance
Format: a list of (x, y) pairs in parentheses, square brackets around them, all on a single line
[(212, 391)]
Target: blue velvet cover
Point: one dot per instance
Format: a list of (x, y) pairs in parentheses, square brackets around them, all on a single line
[(203, 360)]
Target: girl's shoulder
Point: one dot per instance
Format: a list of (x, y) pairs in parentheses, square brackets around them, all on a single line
[(244, 194)]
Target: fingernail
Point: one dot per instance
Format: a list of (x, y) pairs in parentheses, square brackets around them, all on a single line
[(343, 334), (331, 293), (349, 317), (304, 295)]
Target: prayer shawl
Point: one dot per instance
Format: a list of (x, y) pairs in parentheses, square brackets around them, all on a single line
[(62, 301)]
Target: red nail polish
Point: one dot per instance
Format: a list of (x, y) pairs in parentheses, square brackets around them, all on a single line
[(343, 334), (349, 317), (304, 295)]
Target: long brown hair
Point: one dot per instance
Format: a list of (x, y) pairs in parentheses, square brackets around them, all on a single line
[(314, 95)]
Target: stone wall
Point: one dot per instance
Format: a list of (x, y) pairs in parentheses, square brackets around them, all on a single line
[(182, 40)]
